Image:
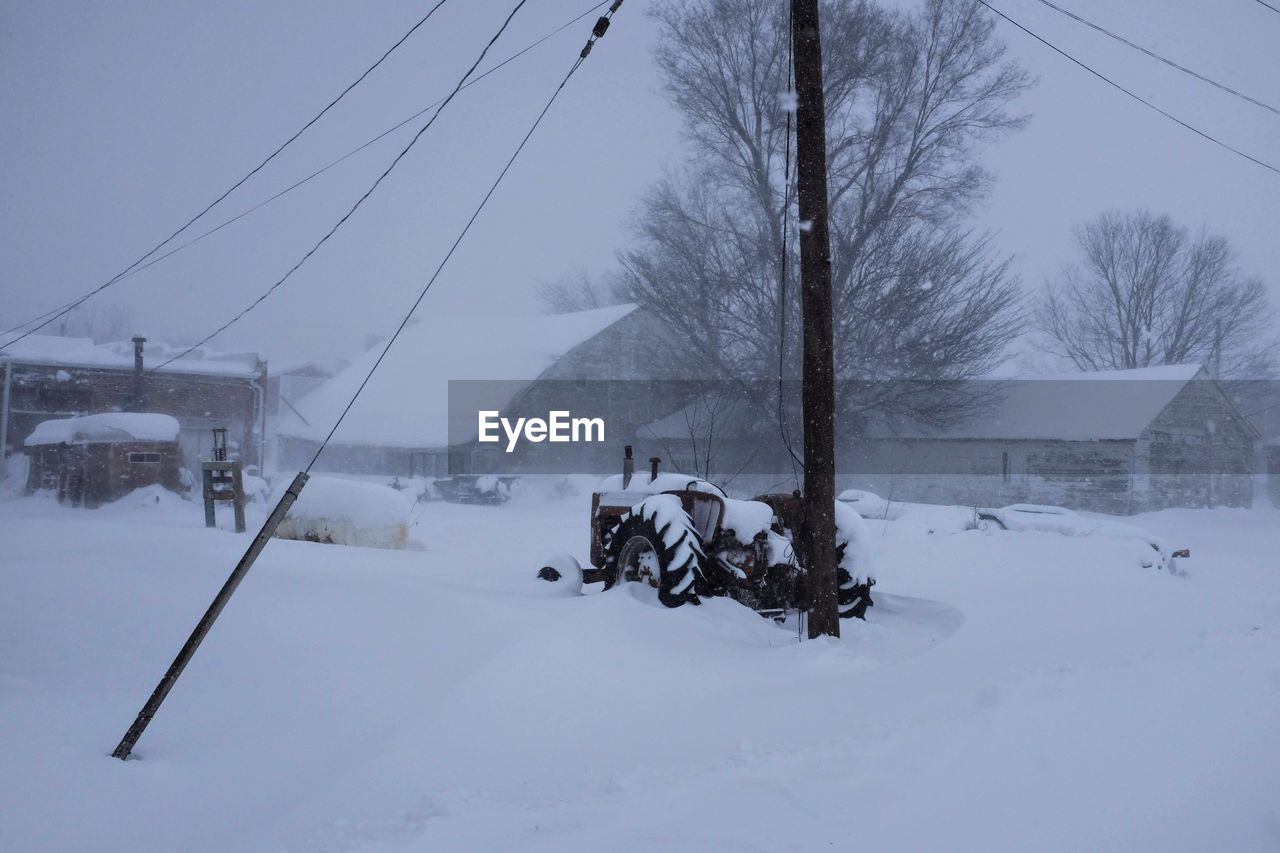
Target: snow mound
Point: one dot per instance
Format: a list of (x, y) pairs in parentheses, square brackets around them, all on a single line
[(256, 489), (150, 497), (565, 579), (1054, 519), (746, 518), (107, 426), (871, 505), (851, 530), (666, 482), (347, 512)]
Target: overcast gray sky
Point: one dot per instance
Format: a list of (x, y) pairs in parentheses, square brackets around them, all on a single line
[(123, 119)]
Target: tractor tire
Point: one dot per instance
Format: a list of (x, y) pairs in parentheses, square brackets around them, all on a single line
[(669, 558), (852, 598)]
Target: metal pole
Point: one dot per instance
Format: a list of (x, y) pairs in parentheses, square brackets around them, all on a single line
[(4, 411), (211, 615), (818, 385), (139, 401)]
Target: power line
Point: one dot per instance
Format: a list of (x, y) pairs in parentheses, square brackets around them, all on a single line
[(1073, 16), (1137, 98), (260, 542), (132, 271), (782, 277), (342, 221), (596, 33), (1269, 6), (66, 309), (1263, 410)]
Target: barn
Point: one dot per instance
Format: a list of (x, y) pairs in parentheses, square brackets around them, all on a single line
[(401, 422), (1117, 441), (1120, 441)]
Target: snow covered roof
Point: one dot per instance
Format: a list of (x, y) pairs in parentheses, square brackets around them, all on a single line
[(105, 427), (83, 352), (406, 402), (717, 413), (1114, 404)]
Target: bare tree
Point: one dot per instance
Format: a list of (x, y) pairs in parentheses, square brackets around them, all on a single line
[(718, 429), (1148, 292), (577, 291), (909, 97), (99, 322)]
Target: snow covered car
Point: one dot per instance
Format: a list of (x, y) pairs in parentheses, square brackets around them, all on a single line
[(871, 505), (685, 537), (1056, 519), (476, 489)]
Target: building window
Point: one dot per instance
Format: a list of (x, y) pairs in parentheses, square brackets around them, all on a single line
[(144, 458), (1004, 466)]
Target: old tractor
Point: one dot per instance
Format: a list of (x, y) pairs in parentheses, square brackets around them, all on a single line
[(686, 538)]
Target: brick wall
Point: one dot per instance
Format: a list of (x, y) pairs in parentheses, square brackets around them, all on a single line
[(199, 402)]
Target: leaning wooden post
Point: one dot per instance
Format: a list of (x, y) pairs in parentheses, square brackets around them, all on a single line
[(237, 496), (211, 615), (210, 515)]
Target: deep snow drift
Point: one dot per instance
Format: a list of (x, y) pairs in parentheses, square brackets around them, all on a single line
[(1009, 691)]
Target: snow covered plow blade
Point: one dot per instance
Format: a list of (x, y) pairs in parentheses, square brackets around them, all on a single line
[(687, 539)]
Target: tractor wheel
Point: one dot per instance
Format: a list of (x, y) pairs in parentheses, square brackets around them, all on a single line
[(852, 597), (667, 557)]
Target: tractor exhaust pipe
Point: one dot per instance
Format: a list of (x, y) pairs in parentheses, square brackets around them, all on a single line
[(628, 466), (654, 461)]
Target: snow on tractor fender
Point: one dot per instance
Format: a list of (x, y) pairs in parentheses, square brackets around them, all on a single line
[(348, 512)]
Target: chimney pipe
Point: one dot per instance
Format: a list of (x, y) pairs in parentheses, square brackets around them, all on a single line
[(653, 467), (628, 466), (139, 402)]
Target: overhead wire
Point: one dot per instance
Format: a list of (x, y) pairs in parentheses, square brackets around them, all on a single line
[(782, 283), (49, 317), (598, 31), (134, 270), (1197, 131), (125, 748), (351, 211), (1184, 69)]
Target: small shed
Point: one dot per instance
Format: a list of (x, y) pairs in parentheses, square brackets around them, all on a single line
[(94, 459)]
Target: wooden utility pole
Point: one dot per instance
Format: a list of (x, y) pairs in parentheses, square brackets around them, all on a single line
[(818, 381), (188, 650)]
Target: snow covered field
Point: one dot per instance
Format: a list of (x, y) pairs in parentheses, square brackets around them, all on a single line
[(1010, 691)]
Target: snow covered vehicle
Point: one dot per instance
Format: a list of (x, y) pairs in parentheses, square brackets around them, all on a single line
[(685, 537), (476, 489), (1056, 519)]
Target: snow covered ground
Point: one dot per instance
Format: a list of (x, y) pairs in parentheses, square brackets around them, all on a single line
[(1010, 691)]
